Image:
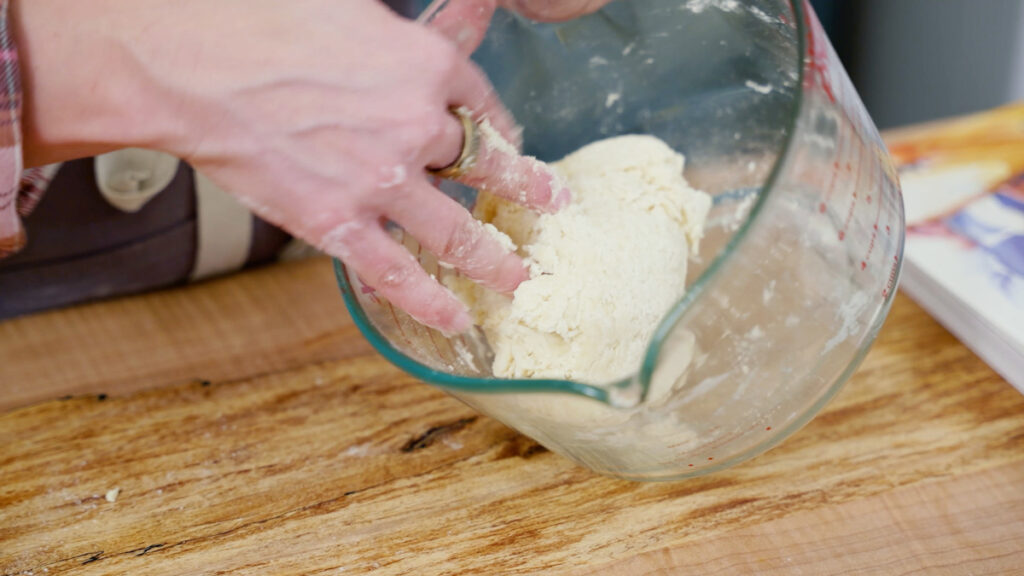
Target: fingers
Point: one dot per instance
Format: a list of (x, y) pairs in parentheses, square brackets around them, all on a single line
[(384, 264), (450, 232), (464, 23), (502, 171), (499, 169), (548, 11), (472, 90), (446, 148)]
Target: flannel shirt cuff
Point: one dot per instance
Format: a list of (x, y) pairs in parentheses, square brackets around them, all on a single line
[(19, 192)]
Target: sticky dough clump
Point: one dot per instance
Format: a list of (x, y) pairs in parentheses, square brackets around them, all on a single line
[(604, 270)]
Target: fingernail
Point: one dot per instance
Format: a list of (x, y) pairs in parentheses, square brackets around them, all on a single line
[(521, 274), (562, 199), (453, 326), (461, 323)]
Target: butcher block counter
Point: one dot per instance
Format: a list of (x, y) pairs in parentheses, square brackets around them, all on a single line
[(244, 426)]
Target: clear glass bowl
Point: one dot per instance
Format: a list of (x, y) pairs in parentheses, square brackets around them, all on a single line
[(801, 255)]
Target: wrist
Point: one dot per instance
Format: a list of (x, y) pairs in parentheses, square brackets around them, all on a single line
[(83, 92)]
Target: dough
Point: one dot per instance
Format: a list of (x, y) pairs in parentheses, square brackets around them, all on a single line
[(604, 270)]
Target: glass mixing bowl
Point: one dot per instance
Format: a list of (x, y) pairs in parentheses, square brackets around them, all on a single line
[(800, 258)]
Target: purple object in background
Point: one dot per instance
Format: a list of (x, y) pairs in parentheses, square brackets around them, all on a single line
[(82, 248)]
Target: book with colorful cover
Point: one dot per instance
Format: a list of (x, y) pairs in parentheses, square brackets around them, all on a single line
[(963, 188)]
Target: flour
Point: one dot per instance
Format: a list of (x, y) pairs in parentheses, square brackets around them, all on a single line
[(759, 88), (603, 271)]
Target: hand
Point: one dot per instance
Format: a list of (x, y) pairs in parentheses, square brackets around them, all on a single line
[(465, 21), (321, 116), (554, 10)]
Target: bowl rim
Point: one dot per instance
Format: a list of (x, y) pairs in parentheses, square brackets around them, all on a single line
[(767, 189), (641, 379), (455, 381), (804, 23)]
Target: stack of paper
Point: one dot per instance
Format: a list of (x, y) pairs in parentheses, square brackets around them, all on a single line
[(963, 186)]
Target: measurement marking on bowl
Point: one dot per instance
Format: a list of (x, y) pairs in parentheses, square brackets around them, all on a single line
[(874, 227), (835, 172), (399, 325), (394, 315), (818, 56), (853, 199), (437, 275), (891, 282), (456, 354), (365, 288), (430, 334)]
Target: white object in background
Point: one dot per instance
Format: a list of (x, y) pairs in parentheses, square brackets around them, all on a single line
[(939, 191), (298, 250), (962, 278), (988, 341), (223, 231), (130, 178)]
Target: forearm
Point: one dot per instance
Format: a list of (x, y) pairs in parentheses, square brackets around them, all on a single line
[(322, 116), (84, 89)]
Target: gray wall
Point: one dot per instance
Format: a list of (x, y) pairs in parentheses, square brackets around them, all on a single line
[(916, 60)]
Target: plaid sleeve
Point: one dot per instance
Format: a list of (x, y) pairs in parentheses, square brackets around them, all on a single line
[(12, 235)]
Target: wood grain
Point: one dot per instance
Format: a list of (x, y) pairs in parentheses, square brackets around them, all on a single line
[(257, 322), (331, 461), (957, 525)]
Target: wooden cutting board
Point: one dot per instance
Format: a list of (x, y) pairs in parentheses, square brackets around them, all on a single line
[(246, 427)]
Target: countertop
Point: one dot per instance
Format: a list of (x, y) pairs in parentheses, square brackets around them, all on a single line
[(244, 426)]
